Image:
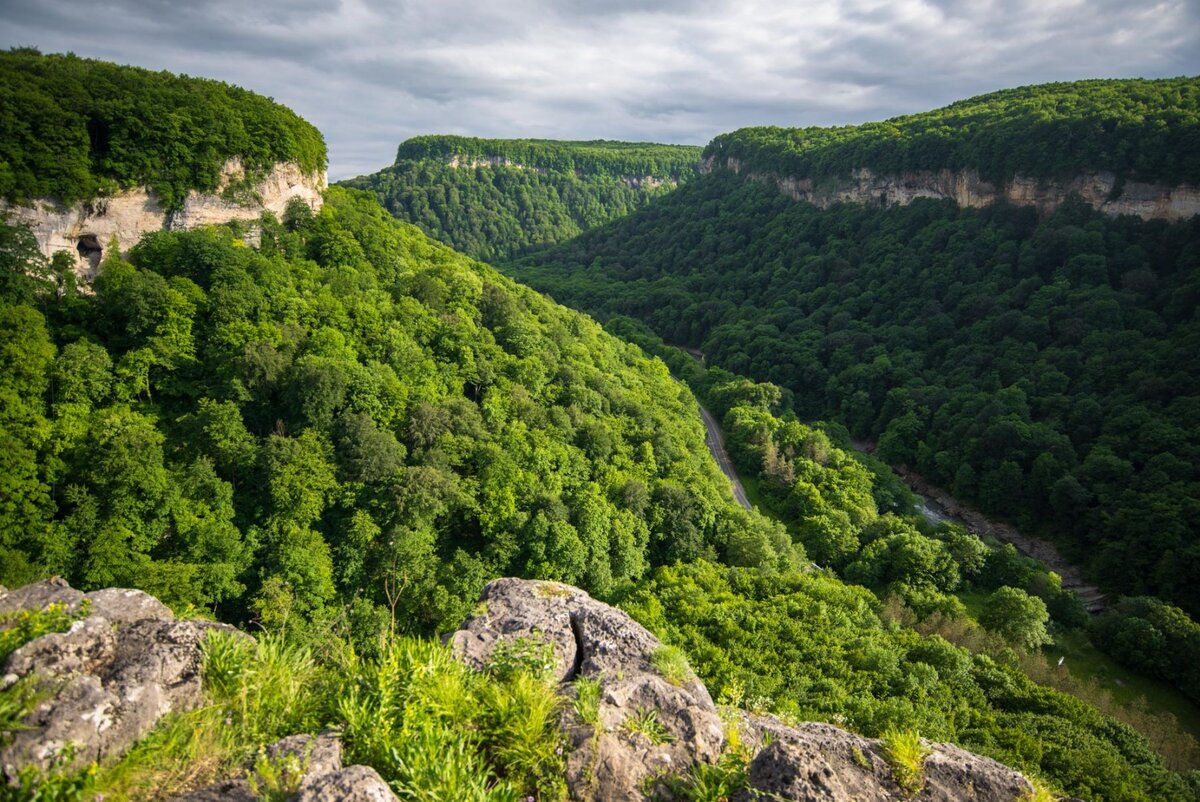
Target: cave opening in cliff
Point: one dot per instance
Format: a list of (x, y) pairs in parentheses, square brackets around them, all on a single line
[(90, 250)]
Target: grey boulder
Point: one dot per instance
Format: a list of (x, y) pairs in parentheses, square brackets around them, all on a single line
[(619, 757), (109, 678)]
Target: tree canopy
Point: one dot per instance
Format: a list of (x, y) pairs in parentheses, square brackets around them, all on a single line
[(1147, 130), (1043, 368), (493, 198), (73, 129)]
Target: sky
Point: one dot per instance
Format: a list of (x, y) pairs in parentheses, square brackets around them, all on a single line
[(370, 73)]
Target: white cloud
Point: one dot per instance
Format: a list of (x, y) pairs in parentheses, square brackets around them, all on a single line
[(370, 73)]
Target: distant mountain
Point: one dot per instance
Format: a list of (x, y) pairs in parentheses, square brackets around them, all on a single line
[(494, 198), (1143, 130), (1041, 363)]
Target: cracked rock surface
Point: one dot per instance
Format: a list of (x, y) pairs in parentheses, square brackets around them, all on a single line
[(614, 759), (816, 762), (108, 679)]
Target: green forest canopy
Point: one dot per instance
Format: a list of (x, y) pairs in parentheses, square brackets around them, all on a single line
[(1148, 130), (354, 428), (593, 158), (1045, 369), (73, 129), (528, 193), (352, 412)]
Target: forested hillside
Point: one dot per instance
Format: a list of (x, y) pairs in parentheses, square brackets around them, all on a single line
[(72, 129), (1137, 129), (348, 431), (337, 436), (1044, 368), (350, 413), (493, 198)]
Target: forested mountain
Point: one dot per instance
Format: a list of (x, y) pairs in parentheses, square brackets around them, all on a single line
[(337, 430), (72, 129), (349, 412), (1045, 369), (493, 198), (1137, 129), (351, 428)]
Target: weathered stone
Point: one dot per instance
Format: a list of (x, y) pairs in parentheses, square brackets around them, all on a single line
[(318, 754), (352, 784), (807, 771), (85, 230), (814, 762), (510, 609), (952, 774), (109, 681), (224, 791), (598, 642), (88, 644), (124, 606), (38, 596), (1100, 189)]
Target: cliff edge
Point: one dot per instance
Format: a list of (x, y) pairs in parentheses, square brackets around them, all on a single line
[(86, 229)]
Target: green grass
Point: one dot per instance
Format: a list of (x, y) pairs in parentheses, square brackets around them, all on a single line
[(974, 601), (751, 484), (647, 724), (672, 663), (1085, 661), (587, 700)]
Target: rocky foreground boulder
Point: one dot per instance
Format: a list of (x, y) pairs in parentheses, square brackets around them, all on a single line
[(108, 679), (647, 726), (614, 759), (319, 759)]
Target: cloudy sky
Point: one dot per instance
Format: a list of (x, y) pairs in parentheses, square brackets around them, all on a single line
[(370, 73)]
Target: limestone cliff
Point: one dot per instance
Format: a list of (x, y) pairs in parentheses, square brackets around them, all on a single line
[(1101, 190), (86, 229), (631, 181)]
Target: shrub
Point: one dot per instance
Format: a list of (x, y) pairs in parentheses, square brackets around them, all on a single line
[(906, 756)]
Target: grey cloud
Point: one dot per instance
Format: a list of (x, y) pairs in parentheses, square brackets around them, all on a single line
[(370, 73)]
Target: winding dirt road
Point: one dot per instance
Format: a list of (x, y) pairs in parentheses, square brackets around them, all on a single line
[(716, 444)]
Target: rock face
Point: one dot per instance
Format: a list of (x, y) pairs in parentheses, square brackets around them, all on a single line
[(615, 759), (323, 778), (109, 678), (646, 726), (126, 663), (815, 762), (353, 784), (966, 188), (85, 230)]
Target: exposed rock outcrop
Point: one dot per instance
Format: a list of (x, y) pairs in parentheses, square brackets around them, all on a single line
[(109, 678), (1098, 189), (323, 778), (646, 726), (814, 762), (86, 229), (127, 662), (352, 784)]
